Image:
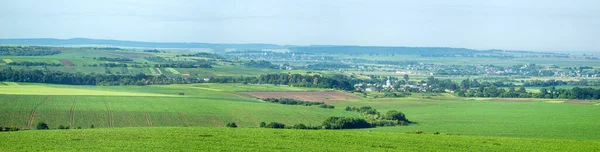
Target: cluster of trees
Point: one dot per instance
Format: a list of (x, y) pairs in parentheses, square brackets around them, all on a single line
[(56, 77), (27, 51), (298, 80), (574, 93), (289, 101), (27, 63), (494, 92), (204, 54), (260, 64), (391, 118), (117, 59)]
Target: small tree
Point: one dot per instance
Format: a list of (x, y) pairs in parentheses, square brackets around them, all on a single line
[(61, 127), (231, 125), (92, 126), (42, 125), (395, 115)]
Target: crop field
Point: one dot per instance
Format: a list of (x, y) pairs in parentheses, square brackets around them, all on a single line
[(321, 96), (7, 60), (24, 105), (257, 139), (523, 118), (173, 71), (67, 62)]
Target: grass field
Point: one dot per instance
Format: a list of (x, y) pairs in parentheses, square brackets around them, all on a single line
[(255, 139)]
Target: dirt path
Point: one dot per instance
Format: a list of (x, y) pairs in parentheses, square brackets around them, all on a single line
[(72, 116), (33, 111), (183, 118), (111, 123)]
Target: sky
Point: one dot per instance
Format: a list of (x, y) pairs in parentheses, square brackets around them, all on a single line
[(543, 25)]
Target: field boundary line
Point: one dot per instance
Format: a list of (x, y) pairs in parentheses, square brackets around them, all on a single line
[(110, 116), (33, 111), (183, 118), (72, 117)]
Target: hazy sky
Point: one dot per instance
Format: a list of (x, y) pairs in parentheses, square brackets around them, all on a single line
[(550, 25)]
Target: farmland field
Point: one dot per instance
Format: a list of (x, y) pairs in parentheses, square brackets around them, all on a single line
[(255, 139), (7, 60), (108, 107)]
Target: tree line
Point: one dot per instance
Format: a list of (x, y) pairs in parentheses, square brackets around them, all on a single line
[(117, 59), (288, 101), (56, 77), (27, 51), (27, 63), (297, 80)]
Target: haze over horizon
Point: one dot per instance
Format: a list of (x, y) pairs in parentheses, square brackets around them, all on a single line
[(541, 25)]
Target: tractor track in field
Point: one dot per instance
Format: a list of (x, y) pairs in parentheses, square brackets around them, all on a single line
[(33, 111), (248, 117), (147, 116), (220, 120), (72, 116), (111, 123), (183, 118)]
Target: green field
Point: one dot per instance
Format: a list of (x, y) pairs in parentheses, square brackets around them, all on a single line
[(216, 104), (537, 119), (132, 106), (255, 139)]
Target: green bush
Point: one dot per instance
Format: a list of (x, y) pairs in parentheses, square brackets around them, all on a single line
[(232, 125), (42, 125), (275, 125), (345, 123)]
